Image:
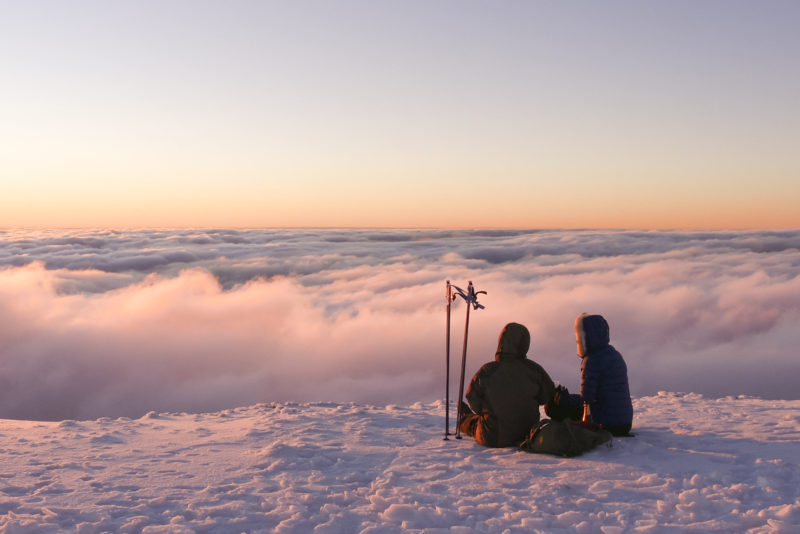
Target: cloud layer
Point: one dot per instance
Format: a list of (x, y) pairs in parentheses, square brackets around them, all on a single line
[(101, 323)]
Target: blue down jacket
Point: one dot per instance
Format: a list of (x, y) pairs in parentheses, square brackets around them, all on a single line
[(604, 375)]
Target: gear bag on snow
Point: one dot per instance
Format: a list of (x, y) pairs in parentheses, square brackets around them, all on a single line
[(564, 438)]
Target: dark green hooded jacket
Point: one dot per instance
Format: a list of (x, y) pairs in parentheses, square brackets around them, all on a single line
[(507, 392)]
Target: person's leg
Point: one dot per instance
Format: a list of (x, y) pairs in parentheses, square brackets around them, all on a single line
[(469, 423), (483, 429), (618, 430), (558, 412)]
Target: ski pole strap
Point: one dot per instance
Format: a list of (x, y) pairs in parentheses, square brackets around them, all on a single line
[(470, 296)]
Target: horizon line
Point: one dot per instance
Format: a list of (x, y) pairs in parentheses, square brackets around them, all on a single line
[(124, 228)]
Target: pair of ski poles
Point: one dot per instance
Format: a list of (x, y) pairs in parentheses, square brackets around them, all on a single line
[(471, 298)]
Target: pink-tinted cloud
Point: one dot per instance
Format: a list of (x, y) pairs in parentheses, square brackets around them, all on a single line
[(354, 317)]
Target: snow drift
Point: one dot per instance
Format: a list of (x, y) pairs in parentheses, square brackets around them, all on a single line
[(695, 465)]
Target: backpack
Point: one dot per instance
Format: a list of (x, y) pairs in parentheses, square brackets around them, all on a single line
[(564, 438)]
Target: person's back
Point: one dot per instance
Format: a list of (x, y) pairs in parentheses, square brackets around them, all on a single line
[(606, 381), (604, 376), (505, 394)]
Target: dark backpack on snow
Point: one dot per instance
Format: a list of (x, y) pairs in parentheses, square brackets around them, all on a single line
[(564, 438)]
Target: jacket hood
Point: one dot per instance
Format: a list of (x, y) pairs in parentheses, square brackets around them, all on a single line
[(591, 333), (514, 341)]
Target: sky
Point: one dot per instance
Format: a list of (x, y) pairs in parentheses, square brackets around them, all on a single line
[(642, 115), (103, 323)]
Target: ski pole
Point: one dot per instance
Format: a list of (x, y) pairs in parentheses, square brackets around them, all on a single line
[(471, 298), (463, 366), (450, 298)]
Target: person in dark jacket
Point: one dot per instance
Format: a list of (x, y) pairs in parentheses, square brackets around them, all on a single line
[(605, 395), (504, 395)]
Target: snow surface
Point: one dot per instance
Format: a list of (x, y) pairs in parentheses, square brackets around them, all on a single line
[(695, 465)]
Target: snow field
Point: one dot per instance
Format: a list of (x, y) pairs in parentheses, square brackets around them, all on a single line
[(695, 465)]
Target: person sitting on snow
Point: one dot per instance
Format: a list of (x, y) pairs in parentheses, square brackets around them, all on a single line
[(605, 396), (504, 395)]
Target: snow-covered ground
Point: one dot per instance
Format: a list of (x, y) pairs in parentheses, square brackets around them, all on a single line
[(695, 465)]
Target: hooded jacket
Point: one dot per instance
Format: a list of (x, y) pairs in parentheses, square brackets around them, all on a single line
[(507, 392), (604, 375)]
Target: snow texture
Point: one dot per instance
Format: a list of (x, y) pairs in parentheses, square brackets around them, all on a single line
[(695, 465)]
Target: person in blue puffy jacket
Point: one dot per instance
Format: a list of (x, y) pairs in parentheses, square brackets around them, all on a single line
[(605, 396)]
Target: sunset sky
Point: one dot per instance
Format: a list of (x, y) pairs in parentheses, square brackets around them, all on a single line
[(400, 114)]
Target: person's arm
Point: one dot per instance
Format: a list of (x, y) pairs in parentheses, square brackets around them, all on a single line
[(476, 391), (547, 389), (590, 380), (569, 400)]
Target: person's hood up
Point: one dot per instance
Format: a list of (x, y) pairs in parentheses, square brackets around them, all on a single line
[(592, 333), (515, 340)]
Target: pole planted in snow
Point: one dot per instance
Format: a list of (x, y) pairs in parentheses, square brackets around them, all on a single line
[(450, 298), (463, 366), (471, 298)]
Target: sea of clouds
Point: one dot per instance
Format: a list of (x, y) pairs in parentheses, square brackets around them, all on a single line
[(119, 323)]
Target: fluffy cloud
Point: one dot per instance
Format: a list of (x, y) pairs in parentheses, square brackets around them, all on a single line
[(121, 323)]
